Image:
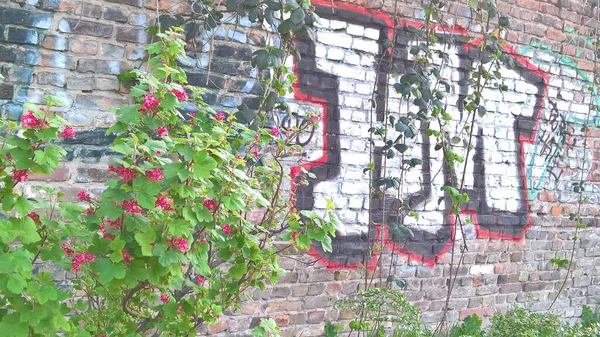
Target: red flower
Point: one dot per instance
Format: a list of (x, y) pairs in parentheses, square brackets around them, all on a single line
[(66, 249), (255, 153), (256, 137), (192, 114), (132, 206), (84, 196), (200, 280), (114, 225), (220, 116), (227, 229), (181, 94), (19, 176), (150, 102), (90, 211), (67, 132), (164, 298), (80, 259), (9, 157), (162, 131), (275, 132), (294, 235), (156, 175), (127, 174), (34, 216), (163, 203), (126, 257), (210, 204), (29, 120), (180, 309), (179, 243), (108, 236)]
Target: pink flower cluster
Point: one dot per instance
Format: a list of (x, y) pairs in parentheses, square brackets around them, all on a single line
[(179, 243), (127, 174), (28, 120), (114, 225), (156, 174), (163, 203), (84, 196), (132, 206), (164, 298), (80, 259), (150, 102), (210, 204), (66, 248), (162, 131), (19, 176), (227, 229), (126, 257), (34, 216), (67, 132), (275, 132), (200, 280), (180, 94), (220, 116)]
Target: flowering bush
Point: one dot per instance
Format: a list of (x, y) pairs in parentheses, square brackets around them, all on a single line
[(169, 245)]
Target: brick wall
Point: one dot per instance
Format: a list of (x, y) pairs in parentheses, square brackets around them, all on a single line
[(528, 151)]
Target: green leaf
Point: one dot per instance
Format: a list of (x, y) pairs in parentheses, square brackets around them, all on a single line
[(23, 206), (298, 16), (16, 283), (108, 271), (170, 257), (169, 101), (237, 271), (47, 292), (144, 239), (203, 164)]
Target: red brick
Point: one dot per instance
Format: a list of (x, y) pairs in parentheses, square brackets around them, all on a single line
[(481, 312), (529, 4), (283, 320), (61, 174), (315, 317), (333, 288), (84, 46), (219, 327), (556, 210), (555, 34)]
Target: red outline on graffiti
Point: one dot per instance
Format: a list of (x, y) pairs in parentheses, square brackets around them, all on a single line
[(294, 171)]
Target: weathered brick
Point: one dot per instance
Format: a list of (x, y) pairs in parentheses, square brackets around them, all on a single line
[(132, 35), (114, 14), (89, 10), (314, 317), (283, 306), (95, 102), (112, 51), (107, 83), (59, 43), (27, 18), (95, 137), (6, 91), (62, 173), (84, 27), (101, 67), (55, 79), (138, 3), (88, 175), (21, 35)]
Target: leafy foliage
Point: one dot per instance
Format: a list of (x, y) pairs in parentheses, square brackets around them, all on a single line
[(188, 223)]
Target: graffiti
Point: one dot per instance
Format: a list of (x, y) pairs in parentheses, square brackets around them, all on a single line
[(294, 120), (560, 135), (333, 72)]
